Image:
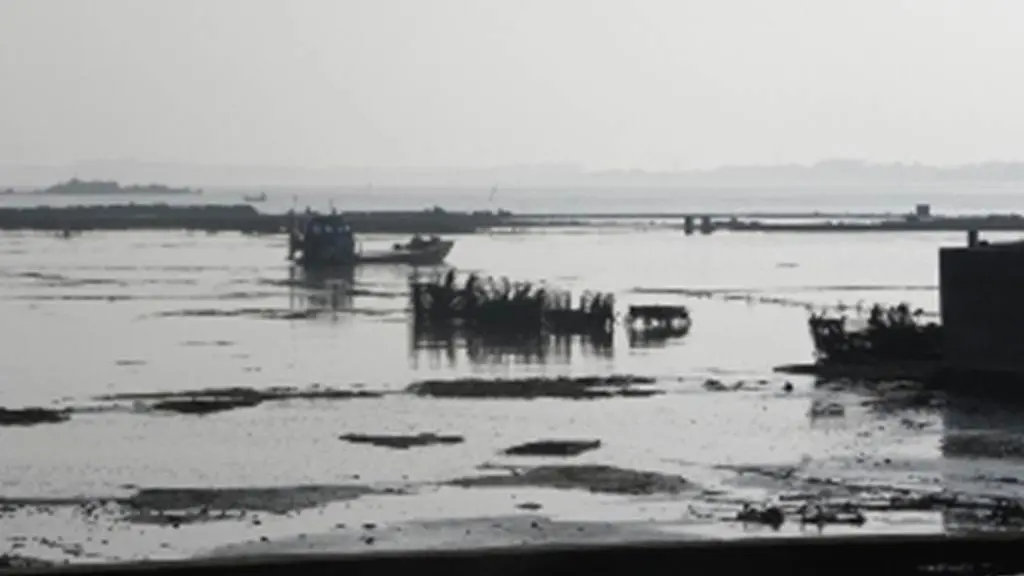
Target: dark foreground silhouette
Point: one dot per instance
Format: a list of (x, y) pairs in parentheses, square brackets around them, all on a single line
[(934, 555)]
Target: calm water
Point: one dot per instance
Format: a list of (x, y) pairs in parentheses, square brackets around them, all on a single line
[(133, 312)]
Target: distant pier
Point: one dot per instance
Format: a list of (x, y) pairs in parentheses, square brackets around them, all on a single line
[(919, 220), (1010, 223)]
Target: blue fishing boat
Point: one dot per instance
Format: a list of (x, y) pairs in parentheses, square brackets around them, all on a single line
[(323, 240)]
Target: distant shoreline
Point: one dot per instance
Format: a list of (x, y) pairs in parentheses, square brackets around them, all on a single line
[(79, 188), (122, 192)]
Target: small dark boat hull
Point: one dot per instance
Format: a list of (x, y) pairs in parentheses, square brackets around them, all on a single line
[(431, 255)]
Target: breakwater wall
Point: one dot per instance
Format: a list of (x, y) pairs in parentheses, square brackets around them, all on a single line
[(247, 219), (231, 218)]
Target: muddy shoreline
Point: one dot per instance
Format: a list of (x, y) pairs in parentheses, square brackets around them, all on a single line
[(308, 519)]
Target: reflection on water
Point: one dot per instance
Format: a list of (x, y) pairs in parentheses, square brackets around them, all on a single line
[(983, 447), (655, 337), (435, 342), (976, 429), (328, 289), (322, 278)]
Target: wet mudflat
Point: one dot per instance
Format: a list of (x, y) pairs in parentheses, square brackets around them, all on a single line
[(205, 400)]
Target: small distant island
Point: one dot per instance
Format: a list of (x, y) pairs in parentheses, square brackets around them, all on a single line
[(76, 187)]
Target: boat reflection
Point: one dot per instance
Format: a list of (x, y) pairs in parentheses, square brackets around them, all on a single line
[(452, 343), (321, 289), (655, 338)]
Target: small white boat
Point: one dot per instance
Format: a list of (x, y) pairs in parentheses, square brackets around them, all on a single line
[(418, 252)]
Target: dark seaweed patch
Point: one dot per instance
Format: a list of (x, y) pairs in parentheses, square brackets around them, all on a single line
[(32, 416), (174, 506), (400, 442), (553, 448), (18, 562), (52, 279), (594, 478), (274, 500), (267, 313), (210, 400), (590, 387), (204, 405), (217, 343)]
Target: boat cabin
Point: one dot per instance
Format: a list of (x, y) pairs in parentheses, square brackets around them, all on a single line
[(329, 225), (326, 239)]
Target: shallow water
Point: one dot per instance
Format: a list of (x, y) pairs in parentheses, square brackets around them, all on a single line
[(109, 313)]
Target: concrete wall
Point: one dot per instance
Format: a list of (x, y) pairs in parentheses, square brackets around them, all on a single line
[(981, 293)]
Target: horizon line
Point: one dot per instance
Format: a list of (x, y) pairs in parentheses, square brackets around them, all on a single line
[(576, 167)]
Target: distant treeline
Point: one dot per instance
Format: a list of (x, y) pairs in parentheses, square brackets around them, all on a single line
[(76, 187)]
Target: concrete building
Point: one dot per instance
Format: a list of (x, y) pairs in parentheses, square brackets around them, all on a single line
[(981, 300)]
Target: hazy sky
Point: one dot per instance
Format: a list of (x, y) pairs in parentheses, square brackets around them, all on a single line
[(655, 84)]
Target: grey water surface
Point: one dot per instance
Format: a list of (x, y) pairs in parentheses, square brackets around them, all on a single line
[(112, 313)]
